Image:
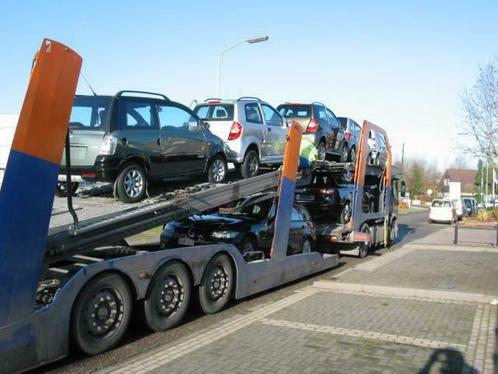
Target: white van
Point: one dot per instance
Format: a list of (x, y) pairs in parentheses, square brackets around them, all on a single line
[(442, 210)]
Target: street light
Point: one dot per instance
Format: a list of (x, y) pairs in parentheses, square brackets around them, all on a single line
[(257, 39)]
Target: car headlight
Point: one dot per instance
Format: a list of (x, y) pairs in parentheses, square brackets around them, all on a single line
[(169, 230), (224, 234)]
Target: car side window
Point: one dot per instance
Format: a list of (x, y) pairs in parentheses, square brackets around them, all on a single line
[(138, 115), (173, 117), (253, 113), (272, 117), (334, 122)]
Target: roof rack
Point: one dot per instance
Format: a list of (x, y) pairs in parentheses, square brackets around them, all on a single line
[(249, 98), (120, 93)]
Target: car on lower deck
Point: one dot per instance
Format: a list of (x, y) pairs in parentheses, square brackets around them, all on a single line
[(320, 127), (135, 137), (249, 225), (330, 198), (253, 131)]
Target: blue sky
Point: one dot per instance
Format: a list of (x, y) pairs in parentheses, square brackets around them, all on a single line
[(402, 65)]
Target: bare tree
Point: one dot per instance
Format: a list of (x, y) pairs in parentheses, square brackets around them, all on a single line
[(480, 107)]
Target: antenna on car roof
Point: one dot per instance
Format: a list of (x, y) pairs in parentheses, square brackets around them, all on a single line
[(88, 84)]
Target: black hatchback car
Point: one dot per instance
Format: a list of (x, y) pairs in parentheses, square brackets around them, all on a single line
[(134, 137), (331, 198), (248, 225)]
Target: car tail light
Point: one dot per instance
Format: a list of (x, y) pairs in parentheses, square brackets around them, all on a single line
[(108, 146), (348, 136), (312, 125), (235, 131), (327, 191), (89, 174)]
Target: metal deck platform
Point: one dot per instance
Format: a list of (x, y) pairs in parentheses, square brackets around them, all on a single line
[(104, 221)]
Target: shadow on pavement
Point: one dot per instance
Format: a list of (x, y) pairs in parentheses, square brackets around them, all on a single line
[(446, 361)]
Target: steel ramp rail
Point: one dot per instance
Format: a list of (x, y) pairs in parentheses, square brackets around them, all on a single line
[(108, 229)]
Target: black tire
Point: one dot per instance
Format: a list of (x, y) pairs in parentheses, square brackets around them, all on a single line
[(61, 189), (322, 151), (131, 183), (344, 153), (364, 248), (393, 233), (250, 166), (247, 245), (352, 154), (101, 314), (217, 169), (217, 284), (168, 297), (346, 213)]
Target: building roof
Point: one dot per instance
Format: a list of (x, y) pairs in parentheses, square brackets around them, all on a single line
[(466, 177)]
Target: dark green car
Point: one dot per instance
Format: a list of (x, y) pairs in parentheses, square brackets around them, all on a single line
[(134, 137)]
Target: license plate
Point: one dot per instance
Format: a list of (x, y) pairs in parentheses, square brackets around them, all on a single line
[(186, 241)]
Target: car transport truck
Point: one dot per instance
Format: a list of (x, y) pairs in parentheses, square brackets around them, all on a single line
[(72, 279)]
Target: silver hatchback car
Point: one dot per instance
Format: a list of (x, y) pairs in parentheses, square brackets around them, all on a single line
[(253, 131)]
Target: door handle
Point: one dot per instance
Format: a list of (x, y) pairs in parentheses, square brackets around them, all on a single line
[(124, 141), (269, 129)]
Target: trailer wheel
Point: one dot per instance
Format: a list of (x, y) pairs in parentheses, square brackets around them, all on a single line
[(215, 290), (364, 248), (168, 297), (101, 314)]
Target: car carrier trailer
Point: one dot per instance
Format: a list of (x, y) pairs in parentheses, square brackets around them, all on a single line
[(67, 279)]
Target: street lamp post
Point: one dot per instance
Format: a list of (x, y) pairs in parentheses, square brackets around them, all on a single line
[(258, 39)]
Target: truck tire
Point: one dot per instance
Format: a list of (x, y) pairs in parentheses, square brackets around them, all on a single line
[(393, 233), (216, 288), (250, 166), (131, 183), (101, 314), (364, 248), (217, 169), (168, 297)]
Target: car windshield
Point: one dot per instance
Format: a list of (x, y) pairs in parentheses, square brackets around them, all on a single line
[(89, 113), (441, 204), (295, 111), (215, 112)]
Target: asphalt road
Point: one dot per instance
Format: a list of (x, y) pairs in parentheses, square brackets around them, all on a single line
[(411, 226)]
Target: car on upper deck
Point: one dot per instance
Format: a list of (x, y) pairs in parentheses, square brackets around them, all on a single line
[(135, 137), (253, 131), (320, 127)]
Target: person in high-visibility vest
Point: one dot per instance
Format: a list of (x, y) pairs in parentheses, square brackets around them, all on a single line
[(308, 154)]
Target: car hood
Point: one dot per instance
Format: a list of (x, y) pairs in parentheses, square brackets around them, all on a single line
[(215, 222)]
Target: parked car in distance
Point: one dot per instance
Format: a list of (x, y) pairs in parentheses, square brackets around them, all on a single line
[(253, 131), (442, 210), (377, 149), (135, 137), (248, 225), (351, 134), (331, 199), (320, 127), (470, 206), (459, 209)]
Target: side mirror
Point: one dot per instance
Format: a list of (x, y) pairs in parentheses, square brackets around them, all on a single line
[(205, 125), (403, 189)]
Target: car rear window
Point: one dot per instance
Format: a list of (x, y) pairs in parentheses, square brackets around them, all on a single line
[(89, 113), (215, 112), (295, 111), (441, 204)]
